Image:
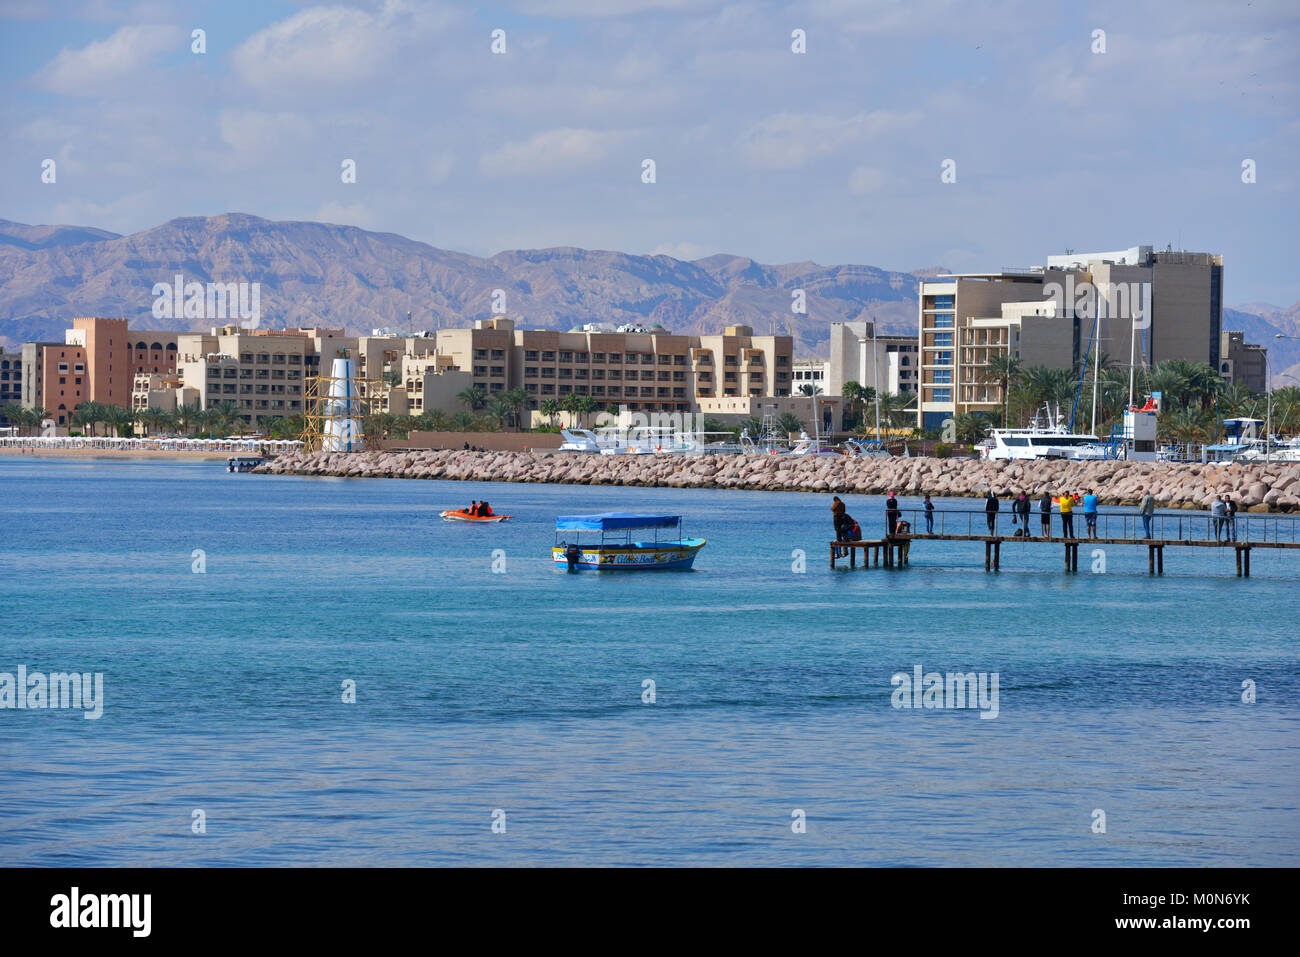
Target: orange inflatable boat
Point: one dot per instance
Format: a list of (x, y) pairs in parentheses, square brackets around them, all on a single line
[(460, 515)]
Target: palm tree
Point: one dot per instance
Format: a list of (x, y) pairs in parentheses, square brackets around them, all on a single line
[(969, 427), (86, 416), (550, 408), (119, 419), (222, 415), (585, 406), (789, 422), (517, 398), (472, 398), (1003, 369), (12, 412), (500, 410), (1286, 408), (570, 404), (188, 415), (36, 416), (1184, 425), (809, 389), (753, 426)]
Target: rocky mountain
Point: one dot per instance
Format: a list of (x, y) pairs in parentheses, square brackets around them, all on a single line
[(327, 275), (322, 274)]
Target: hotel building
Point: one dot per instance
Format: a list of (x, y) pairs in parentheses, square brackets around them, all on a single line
[(640, 370), (262, 371), (966, 320)]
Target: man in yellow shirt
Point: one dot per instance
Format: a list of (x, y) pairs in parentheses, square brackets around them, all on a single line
[(1067, 515)]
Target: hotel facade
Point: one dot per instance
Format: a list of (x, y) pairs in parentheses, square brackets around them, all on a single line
[(1047, 316)]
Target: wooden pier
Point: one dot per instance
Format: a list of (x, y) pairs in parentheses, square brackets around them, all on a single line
[(895, 549)]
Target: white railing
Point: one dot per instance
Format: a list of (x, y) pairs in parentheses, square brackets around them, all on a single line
[(157, 444)]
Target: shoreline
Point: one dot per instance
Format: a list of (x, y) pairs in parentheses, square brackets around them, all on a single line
[(118, 454), (1274, 487)]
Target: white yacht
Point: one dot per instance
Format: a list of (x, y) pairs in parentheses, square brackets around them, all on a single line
[(1046, 438)]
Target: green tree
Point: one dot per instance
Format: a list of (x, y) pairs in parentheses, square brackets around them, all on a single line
[(518, 399), (1004, 369), (550, 408), (789, 423), (473, 398), (969, 427)]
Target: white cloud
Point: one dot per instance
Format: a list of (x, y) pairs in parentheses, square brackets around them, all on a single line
[(791, 140), (252, 134), (865, 179), (333, 46), (98, 67), (609, 8), (550, 151)]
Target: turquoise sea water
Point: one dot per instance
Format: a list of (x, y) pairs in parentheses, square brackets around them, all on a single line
[(521, 690)]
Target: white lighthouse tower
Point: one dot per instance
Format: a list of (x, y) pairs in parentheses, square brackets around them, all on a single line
[(342, 412)]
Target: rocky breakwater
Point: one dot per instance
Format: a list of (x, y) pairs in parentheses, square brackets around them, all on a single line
[(1257, 487)]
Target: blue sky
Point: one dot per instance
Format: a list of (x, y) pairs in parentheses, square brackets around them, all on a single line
[(833, 155)]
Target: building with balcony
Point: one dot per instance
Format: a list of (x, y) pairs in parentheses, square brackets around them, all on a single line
[(1161, 305), (263, 372)]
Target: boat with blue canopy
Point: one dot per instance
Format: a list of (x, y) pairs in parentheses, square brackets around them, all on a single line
[(623, 541)]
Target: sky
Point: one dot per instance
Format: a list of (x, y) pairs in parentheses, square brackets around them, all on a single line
[(1056, 136)]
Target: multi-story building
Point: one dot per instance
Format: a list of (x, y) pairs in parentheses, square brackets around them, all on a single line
[(157, 390), (262, 371), (649, 370), (11, 378), (1049, 316), (810, 373), (1243, 363), (888, 364), (55, 378), (428, 382)]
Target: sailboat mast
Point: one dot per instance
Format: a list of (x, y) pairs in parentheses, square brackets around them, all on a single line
[(1095, 358)]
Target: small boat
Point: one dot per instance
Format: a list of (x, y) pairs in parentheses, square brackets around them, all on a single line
[(243, 463), (611, 546), (460, 515)]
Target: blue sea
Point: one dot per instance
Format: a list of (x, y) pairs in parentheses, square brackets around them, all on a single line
[(491, 687)]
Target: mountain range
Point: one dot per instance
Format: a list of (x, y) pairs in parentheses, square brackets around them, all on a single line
[(319, 274)]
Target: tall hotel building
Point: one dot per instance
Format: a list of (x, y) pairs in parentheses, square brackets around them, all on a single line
[(966, 320)]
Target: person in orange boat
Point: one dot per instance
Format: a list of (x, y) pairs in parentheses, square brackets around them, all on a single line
[(484, 510)]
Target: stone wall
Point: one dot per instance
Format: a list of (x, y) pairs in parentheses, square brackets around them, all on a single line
[(1258, 487)]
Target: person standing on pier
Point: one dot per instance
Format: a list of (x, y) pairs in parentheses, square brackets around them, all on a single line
[(1067, 515), (1021, 508), (929, 515), (1147, 508), (991, 511), (1090, 512), (1045, 513), (1218, 515), (891, 514), (1230, 510)]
